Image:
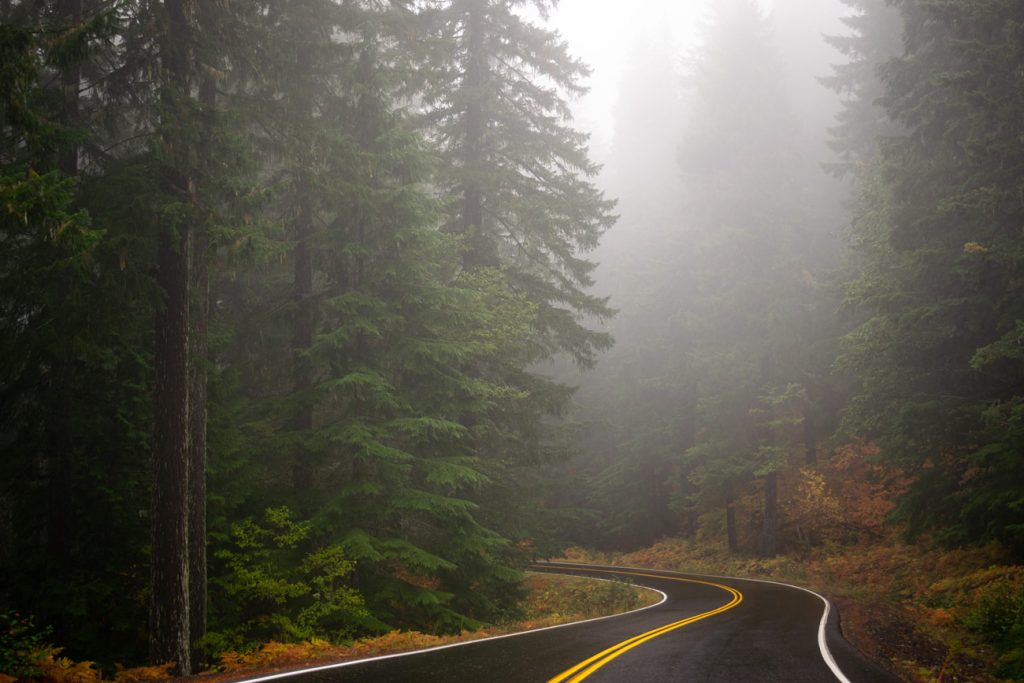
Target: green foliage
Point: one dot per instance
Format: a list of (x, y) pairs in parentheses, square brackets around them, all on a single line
[(998, 619), (22, 646), (277, 584), (935, 241), (521, 195), (389, 404)]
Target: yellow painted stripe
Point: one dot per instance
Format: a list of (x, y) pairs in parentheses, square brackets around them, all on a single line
[(592, 664)]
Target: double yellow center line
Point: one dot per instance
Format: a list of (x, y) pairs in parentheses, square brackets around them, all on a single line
[(589, 666)]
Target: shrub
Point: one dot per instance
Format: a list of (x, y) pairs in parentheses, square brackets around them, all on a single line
[(998, 619), (278, 584), (22, 646)]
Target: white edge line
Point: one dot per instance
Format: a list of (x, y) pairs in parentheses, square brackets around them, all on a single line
[(826, 654), (327, 667)]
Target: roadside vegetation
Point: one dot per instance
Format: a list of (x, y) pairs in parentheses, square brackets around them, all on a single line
[(307, 311), (549, 600), (927, 612)]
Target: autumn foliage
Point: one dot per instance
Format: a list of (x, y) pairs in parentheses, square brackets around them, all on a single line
[(550, 600), (933, 613)]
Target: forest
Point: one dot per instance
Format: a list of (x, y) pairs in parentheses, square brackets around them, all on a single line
[(321, 319)]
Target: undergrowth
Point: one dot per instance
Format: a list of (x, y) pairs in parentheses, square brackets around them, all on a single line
[(933, 614), (550, 600)]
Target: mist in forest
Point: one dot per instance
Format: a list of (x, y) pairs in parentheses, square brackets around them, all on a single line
[(720, 264), (324, 319)]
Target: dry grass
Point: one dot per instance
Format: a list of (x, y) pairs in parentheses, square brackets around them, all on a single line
[(904, 604)]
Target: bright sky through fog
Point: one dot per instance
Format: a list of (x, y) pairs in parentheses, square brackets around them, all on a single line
[(601, 32)]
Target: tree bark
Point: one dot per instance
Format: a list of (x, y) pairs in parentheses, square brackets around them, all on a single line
[(770, 529), (60, 460), (197, 444), (170, 623), (730, 518), (198, 412), (170, 639)]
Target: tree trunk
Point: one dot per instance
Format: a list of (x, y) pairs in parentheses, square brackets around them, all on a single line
[(198, 401), (770, 529), (691, 523), (302, 294), (59, 446), (197, 444), (170, 639), (70, 79), (810, 431), (730, 518), (170, 623), (479, 248)]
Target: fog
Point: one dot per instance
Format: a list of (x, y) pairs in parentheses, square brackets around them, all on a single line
[(712, 125)]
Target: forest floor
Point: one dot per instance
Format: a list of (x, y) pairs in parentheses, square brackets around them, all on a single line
[(929, 615), (550, 600)]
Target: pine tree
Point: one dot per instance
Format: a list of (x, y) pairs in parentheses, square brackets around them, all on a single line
[(517, 175), (377, 428), (750, 249), (75, 315), (936, 238), (636, 405), (876, 38)]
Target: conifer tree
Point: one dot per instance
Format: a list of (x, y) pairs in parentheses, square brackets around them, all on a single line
[(75, 325), (936, 239), (516, 174), (875, 38), (749, 244)]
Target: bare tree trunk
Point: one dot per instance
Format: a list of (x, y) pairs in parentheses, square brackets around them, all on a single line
[(170, 624), (60, 460), (197, 444), (170, 639), (730, 518), (770, 529)]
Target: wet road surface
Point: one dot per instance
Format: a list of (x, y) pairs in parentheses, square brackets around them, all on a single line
[(707, 630)]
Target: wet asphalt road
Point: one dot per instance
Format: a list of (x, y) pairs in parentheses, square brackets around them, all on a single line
[(770, 636)]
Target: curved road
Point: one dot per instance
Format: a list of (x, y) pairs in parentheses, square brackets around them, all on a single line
[(712, 630)]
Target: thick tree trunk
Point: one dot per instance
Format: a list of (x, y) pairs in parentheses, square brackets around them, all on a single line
[(170, 623), (197, 446), (730, 519), (197, 443), (199, 362), (59, 465), (59, 445), (770, 530), (170, 639)]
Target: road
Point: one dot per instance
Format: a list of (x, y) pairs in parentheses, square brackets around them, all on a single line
[(711, 630)]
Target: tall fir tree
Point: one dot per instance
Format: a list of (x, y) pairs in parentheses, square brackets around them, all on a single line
[(749, 240), (936, 237), (516, 174)]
